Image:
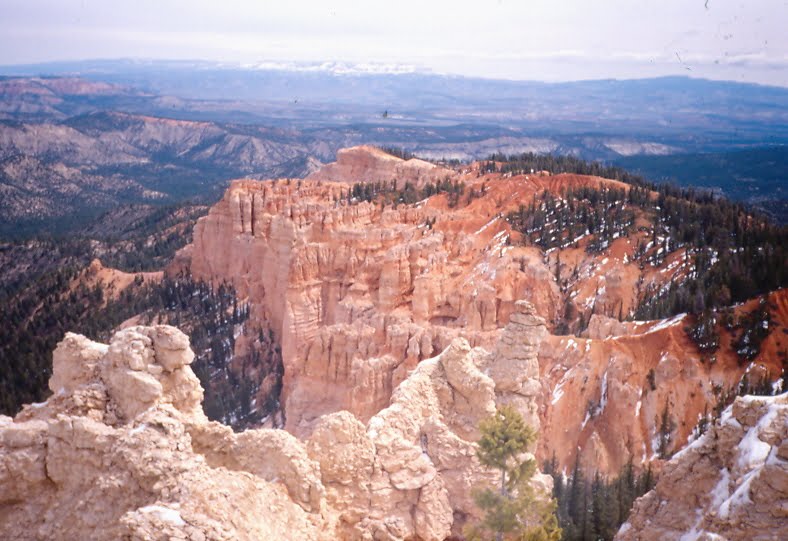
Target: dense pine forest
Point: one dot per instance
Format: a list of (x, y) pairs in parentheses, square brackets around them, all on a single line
[(754, 175), (140, 238), (34, 320)]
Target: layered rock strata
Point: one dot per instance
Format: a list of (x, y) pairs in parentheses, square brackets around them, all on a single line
[(357, 294)]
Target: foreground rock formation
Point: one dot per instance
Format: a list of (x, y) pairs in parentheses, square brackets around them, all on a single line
[(730, 484), (359, 293), (110, 454), (122, 450)]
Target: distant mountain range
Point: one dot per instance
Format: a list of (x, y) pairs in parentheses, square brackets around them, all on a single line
[(89, 135), (720, 115)]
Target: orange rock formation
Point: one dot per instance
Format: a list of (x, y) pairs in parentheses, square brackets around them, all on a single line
[(360, 293)]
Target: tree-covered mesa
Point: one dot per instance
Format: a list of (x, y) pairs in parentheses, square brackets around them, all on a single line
[(731, 255), (528, 162), (513, 510), (737, 254)]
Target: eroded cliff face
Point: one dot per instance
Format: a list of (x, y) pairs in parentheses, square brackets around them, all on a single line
[(122, 450), (358, 294), (730, 484), (604, 396)]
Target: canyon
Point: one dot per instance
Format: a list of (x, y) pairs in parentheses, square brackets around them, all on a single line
[(358, 293), (407, 304)]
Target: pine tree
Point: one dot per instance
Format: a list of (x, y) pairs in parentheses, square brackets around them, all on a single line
[(512, 510)]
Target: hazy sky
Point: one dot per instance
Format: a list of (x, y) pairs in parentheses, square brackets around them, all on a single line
[(743, 40)]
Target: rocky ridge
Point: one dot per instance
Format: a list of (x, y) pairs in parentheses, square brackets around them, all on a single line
[(730, 484), (122, 450), (55, 172)]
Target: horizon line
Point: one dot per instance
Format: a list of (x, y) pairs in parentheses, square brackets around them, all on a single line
[(316, 66)]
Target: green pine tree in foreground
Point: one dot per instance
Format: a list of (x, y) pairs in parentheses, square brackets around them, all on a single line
[(512, 510)]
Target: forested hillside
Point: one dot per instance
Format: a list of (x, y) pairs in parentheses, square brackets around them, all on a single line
[(735, 255), (212, 317)]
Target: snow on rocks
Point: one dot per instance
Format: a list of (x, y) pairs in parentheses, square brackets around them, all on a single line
[(731, 483), (165, 514), (667, 323)]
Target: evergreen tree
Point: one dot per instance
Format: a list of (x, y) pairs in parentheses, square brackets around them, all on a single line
[(512, 510), (666, 427)]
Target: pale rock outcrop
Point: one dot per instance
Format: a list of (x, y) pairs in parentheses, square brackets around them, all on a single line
[(112, 455), (122, 450), (729, 484), (346, 457), (601, 327), (514, 366), (272, 455), (411, 471)]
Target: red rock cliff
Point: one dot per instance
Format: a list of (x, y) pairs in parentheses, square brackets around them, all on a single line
[(359, 293)]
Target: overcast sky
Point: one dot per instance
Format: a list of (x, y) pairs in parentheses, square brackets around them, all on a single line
[(742, 40)]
